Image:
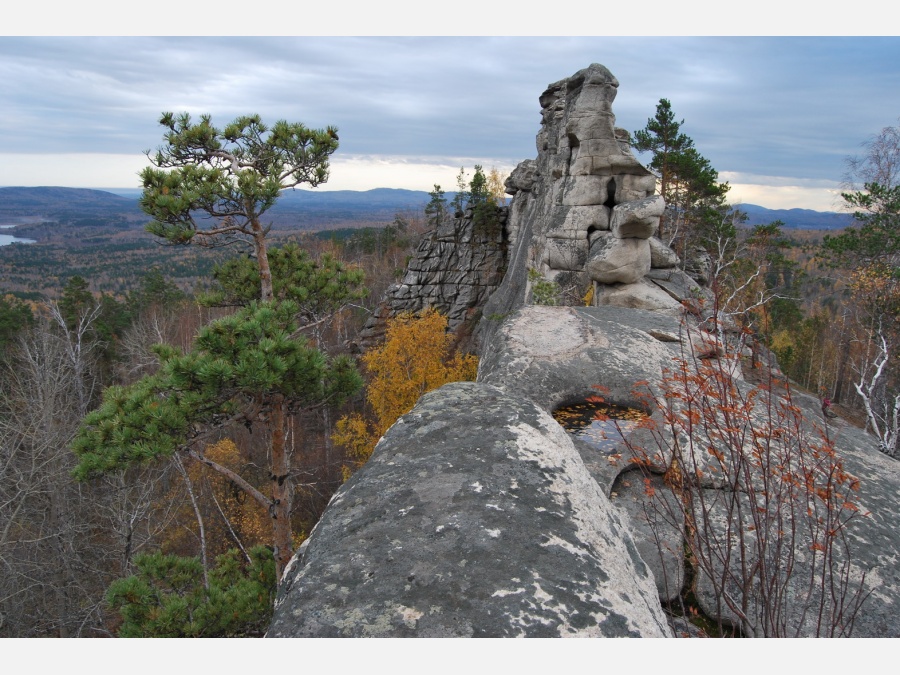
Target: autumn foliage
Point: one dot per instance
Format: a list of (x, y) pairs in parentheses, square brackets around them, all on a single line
[(762, 499), (414, 359)]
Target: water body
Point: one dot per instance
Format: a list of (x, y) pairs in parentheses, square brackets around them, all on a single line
[(10, 239), (603, 426)]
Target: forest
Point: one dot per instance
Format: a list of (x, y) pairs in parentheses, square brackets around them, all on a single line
[(178, 405)]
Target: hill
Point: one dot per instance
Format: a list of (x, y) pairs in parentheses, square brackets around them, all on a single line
[(61, 201), (797, 219), (316, 209)]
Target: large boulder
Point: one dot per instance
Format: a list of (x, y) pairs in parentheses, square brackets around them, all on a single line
[(612, 260), (474, 517), (555, 355)]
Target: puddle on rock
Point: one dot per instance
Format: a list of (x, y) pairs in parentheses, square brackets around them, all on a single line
[(601, 425)]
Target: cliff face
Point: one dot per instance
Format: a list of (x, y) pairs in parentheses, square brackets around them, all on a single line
[(477, 515), (455, 269)]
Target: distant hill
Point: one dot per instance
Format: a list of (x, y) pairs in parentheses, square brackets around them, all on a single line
[(379, 205), (315, 209), (797, 219), (54, 201)]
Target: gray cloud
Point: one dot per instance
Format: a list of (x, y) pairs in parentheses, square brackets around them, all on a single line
[(790, 107)]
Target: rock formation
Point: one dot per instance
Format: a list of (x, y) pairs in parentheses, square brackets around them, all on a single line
[(477, 515), (583, 214), (554, 355), (455, 269)]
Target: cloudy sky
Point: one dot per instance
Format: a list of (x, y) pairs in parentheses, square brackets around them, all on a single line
[(777, 116)]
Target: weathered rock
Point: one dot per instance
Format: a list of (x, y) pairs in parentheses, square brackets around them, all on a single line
[(612, 260), (487, 528), (454, 270), (584, 172), (678, 285), (555, 355), (522, 177), (577, 222), (661, 256), (639, 295), (657, 525), (586, 190), (566, 254), (638, 219), (699, 266)]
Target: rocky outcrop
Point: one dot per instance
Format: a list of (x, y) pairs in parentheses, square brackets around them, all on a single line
[(475, 517), (583, 214), (556, 355), (455, 269)]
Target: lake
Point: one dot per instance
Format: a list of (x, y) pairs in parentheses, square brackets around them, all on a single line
[(9, 239)]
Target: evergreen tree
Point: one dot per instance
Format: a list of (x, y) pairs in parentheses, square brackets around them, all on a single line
[(155, 291), (319, 287), (435, 209), (215, 184), (254, 367), (75, 301), (478, 188), (168, 598), (687, 180), (876, 238), (245, 369), (14, 317)]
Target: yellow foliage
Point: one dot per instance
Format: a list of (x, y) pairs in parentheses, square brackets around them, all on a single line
[(782, 340), (247, 517), (589, 296), (218, 496), (414, 359), (496, 186), (411, 362), (352, 432)]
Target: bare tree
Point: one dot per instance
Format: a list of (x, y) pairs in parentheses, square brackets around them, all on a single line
[(880, 162), (882, 407), (61, 544), (760, 497)]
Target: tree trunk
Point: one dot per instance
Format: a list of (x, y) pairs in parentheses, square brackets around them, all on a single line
[(199, 516), (280, 511), (267, 294)]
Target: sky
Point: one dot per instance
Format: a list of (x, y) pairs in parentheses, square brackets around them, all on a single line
[(776, 116)]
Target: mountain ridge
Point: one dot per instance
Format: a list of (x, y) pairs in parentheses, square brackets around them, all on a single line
[(377, 204)]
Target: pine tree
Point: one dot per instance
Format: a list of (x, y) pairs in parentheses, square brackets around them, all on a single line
[(687, 180), (214, 185), (436, 208), (168, 598), (478, 188), (245, 369), (254, 367)]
